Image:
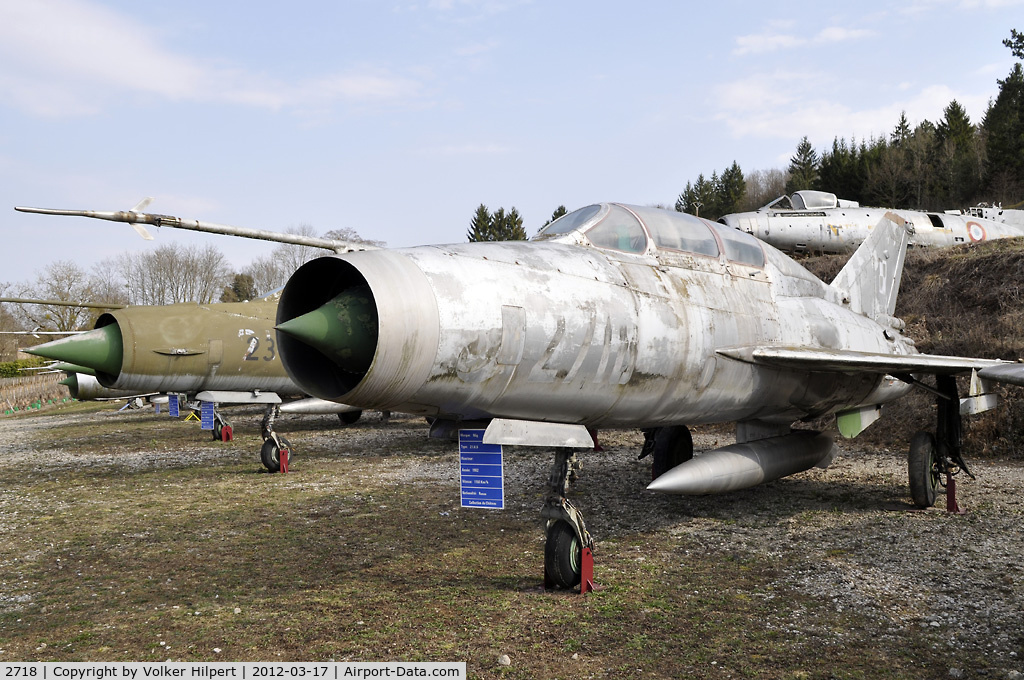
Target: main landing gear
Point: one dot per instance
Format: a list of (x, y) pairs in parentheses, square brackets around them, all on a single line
[(222, 430), (670, 445), (932, 456), (568, 551)]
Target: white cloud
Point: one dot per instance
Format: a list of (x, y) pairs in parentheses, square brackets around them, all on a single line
[(774, 39), (71, 57), (766, 42), (769, 107)]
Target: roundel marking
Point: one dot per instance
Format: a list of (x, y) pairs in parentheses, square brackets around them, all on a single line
[(975, 231)]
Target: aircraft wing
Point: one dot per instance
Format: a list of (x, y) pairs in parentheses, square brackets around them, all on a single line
[(843, 361)]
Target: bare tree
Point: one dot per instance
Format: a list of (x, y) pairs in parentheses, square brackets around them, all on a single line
[(61, 280), (350, 234), (763, 186), (8, 343), (272, 271), (267, 275), (174, 273), (889, 181)]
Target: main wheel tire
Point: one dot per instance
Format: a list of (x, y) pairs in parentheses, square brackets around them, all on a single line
[(563, 555), (270, 454), (350, 417), (672, 445), (923, 470), (217, 428)]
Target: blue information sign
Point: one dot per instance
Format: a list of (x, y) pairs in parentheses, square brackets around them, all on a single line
[(172, 405), (206, 415), (482, 471)]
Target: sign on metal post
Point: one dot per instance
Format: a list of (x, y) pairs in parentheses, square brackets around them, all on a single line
[(482, 471), (206, 413)]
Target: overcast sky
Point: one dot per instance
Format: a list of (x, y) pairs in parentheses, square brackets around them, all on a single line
[(398, 117)]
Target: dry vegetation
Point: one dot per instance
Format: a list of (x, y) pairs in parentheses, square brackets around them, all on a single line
[(129, 536), (965, 301)]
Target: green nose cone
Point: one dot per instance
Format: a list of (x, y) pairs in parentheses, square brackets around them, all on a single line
[(72, 384), (73, 368), (98, 349), (344, 329)]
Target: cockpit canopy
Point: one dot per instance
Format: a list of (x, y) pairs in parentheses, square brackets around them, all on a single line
[(631, 228), (810, 200)]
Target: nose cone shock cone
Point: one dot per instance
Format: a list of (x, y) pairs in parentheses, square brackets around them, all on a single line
[(99, 349), (344, 329), (71, 382), (73, 368)]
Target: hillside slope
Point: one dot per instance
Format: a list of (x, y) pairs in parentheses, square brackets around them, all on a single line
[(965, 301)]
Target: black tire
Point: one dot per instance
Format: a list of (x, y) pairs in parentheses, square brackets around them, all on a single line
[(271, 455), (923, 470), (563, 555), (672, 445), (217, 427), (350, 417)]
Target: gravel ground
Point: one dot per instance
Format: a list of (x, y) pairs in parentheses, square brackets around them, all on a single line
[(849, 532)]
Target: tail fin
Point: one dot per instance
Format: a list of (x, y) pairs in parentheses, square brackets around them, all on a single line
[(870, 281)]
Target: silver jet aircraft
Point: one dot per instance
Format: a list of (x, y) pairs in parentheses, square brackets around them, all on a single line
[(818, 222), (625, 316)]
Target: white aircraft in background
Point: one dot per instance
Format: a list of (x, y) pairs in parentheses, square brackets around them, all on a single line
[(819, 222)]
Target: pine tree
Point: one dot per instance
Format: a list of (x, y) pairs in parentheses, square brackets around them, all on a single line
[(803, 168), (732, 188), (1004, 137), (839, 170), (697, 198), (902, 131), (1016, 43), (958, 157), (480, 225), (499, 226)]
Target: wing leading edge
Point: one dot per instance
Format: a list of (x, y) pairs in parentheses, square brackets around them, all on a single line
[(846, 361)]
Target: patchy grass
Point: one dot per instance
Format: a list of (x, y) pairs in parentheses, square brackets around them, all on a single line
[(362, 554)]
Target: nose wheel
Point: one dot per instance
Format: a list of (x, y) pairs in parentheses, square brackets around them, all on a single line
[(270, 452), (273, 443), (568, 548)]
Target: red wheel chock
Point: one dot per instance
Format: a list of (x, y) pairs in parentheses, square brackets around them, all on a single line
[(951, 504), (587, 584), (587, 572), (283, 458), (226, 433)]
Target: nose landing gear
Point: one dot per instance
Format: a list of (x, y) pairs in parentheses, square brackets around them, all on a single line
[(568, 550)]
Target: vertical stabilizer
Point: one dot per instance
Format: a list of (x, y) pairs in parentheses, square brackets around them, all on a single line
[(871, 279)]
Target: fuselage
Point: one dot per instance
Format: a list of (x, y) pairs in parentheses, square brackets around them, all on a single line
[(188, 348), (612, 318), (791, 226)]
